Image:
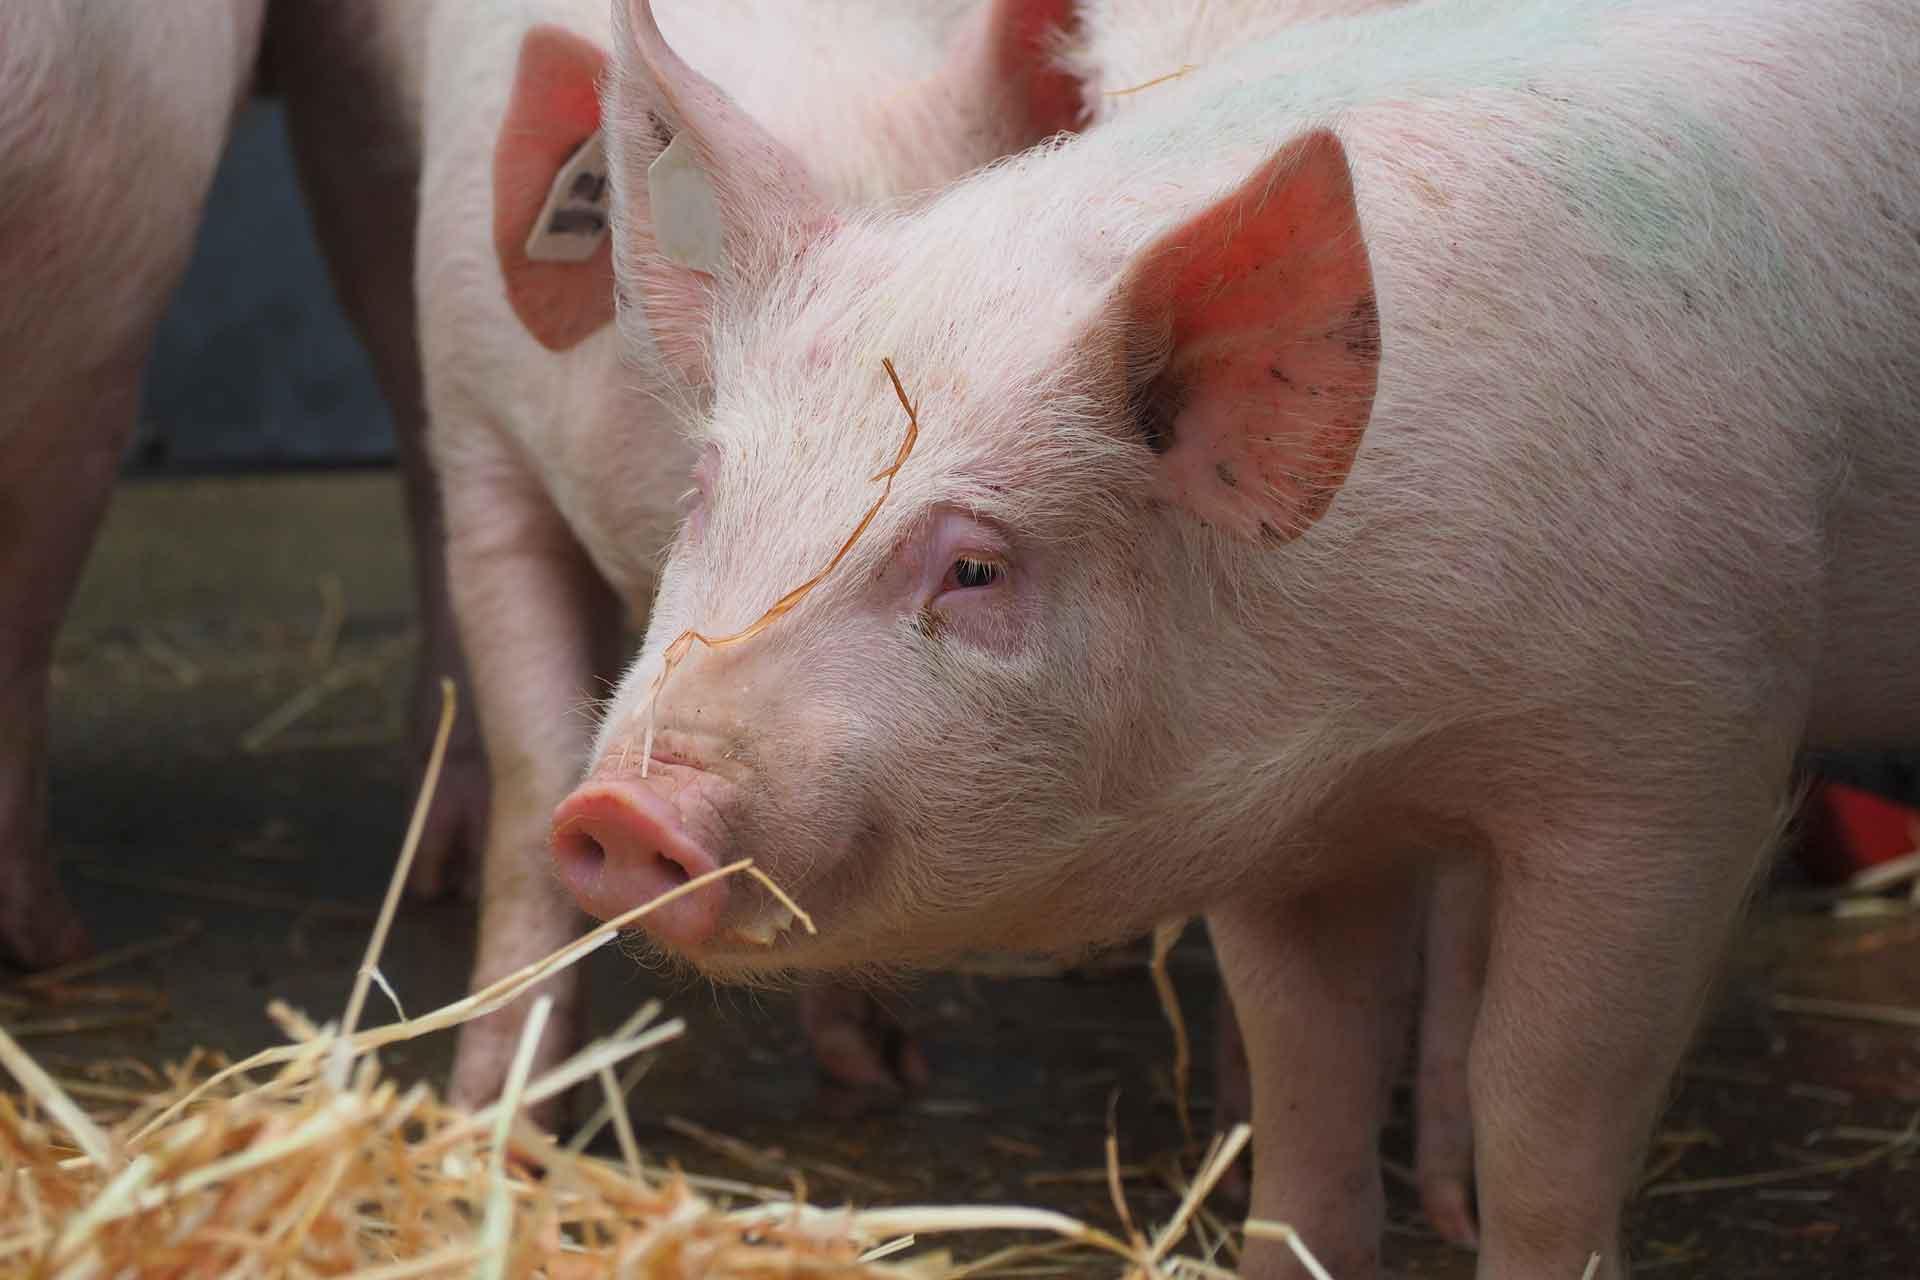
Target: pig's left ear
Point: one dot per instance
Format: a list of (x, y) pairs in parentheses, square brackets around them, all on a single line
[(1254, 345), (705, 195), (550, 192)]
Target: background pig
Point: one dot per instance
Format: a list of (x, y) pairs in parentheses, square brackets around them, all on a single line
[(557, 447), (1495, 437), (112, 118), (1125, 48)]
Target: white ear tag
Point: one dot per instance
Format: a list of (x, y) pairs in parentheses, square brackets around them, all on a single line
[(573, 221), (686, 216)]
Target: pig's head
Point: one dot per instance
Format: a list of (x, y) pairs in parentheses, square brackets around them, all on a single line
[(988, 725)]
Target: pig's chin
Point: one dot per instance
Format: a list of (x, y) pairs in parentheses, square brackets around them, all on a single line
[(761, 943), (764, 943)]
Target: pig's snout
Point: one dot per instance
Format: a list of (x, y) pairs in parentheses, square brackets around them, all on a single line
[(619, 843)]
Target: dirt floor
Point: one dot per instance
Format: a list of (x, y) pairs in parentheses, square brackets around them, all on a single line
[(210, 603)]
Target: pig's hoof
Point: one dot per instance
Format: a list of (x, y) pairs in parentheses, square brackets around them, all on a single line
[(39, 929), (858, 1044), (447, 862), (1449, 1208)]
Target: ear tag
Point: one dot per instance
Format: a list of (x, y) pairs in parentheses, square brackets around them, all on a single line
[(573, 221), (686, 216)]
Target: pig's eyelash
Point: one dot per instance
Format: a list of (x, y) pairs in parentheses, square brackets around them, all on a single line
[(688, 497)]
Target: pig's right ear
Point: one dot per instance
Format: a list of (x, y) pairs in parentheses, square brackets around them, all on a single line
[(704, 195), (1253, 346), (1007, 63)]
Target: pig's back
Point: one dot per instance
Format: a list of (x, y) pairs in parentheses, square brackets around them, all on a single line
[(1704, 228), (1649, 284), (1717, 271), (1125, 48)]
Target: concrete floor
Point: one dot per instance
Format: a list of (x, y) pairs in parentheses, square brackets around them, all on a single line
[(205, 609)]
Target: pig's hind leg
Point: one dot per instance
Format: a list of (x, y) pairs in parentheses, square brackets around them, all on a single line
[(359, 160), (1453, 969)]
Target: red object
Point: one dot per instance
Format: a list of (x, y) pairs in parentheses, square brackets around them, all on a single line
[(555, 107), (1846, 830)]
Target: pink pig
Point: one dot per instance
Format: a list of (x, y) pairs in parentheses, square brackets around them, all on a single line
[(112, 119), (452, 153), (1495, 433)]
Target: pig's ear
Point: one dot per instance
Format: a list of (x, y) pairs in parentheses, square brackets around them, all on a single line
[(705, 194), (550, 191), (1007, 63), (1254, 346)]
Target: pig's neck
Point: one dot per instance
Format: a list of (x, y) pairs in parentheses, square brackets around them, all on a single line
[(1314, 725)]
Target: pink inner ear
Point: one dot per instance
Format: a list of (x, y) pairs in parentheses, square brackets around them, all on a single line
[(1275, 345), (554, 108), (1026, 34)]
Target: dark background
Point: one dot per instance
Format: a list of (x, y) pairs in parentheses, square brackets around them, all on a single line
[(255, 365)]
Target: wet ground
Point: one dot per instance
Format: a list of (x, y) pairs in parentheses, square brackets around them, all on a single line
[(182, 802)]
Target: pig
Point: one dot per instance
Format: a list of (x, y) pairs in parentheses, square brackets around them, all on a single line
[(353, 78), (555, 441), (112, 121), (1122, 49), (1492, 435)]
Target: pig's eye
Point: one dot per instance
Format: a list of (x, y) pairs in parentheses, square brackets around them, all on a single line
[(968, 572)]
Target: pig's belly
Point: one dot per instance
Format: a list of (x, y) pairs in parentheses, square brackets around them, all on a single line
[(1866, 688)]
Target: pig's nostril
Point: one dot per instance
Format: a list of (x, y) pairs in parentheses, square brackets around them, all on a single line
[(580, 853), (675, 873)]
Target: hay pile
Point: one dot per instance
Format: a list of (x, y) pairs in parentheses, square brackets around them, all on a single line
[(304, 1160)]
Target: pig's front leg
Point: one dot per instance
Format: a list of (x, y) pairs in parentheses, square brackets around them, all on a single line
[(1455, 965), (1606, 934), (1322, 987), (1449, 998), (538, 626)]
